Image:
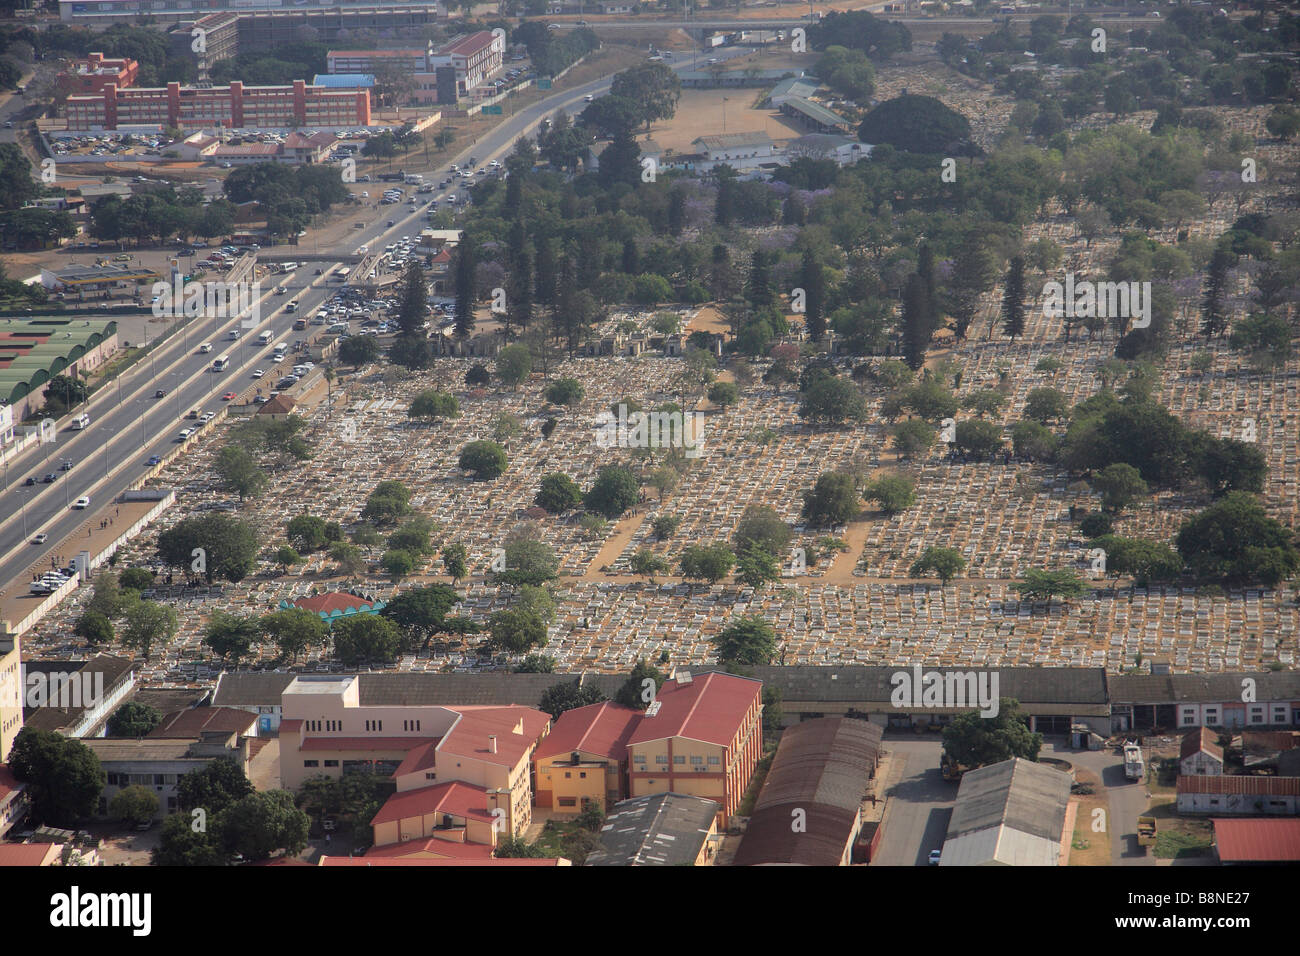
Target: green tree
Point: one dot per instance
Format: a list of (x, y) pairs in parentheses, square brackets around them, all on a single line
[(180, 845), (565, 391), (641, 686), (833, 401), (517, 630), (228, 547), (944, 563), (1120, 485), (389, 501), (231, 636), (1045, 405), (973, 740), (486, 459), (514, 363), (212, 788), (760, 526), (63, 777), (1039, 585), (431, 404), (1235, 541), (709, 562), (913, 437), (133, 719), (134, 805), (535, 664), (756, 566), (1013, 300), (529, 561), (648, 564), (615, 490), (894, 493), (94, 628), (568, 695), (832, 500), (559, 493), (259, 825), (366, 638), (136, 579), (454, 561), (148, 623), (422, 612), (237, 471), (306, 532), (918, 124), (977, 437), (398, 563), (358, 350), (295, 629), (746, 640)]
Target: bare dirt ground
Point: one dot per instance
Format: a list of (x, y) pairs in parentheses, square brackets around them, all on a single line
[(709, 112)]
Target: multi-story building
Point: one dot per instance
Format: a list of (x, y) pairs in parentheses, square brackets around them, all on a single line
[(328, 16), (235, 107), (325, 729), (97, 71), (472, 60), (159, 762), (11, 700), (701, 736), (584, 758)]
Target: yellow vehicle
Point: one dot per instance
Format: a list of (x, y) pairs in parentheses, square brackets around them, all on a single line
[(1146, 831)]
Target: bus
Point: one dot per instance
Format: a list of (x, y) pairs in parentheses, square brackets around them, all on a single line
[(221, 364)]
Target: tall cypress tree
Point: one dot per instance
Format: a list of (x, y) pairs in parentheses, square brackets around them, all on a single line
[(973, 273), (414, 309), (916, 329), (1013, 300), (925, 269), (1214, 318), (759, 292), (545, 265), (813, 279), (465, 267), (676, 211), (631, 257)]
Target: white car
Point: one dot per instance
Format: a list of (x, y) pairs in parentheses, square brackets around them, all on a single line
[(258, 373), (40, 538), (82, 503), (185, 434), (935, 856)]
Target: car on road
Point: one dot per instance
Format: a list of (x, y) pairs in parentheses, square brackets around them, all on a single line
[(185, 434), (228, 397), (82, 503), (320, 272), (392, 222), (9, 124), (207, 417), (934, 857), (258, 373), (281, 290), (205, 348), (40, 538), (29, 482), (588, 98), (66, 466), (155, 459), (50, 479), (160, 393)]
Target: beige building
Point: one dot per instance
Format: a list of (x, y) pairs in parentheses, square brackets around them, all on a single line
[(11, 698), (326, 730)]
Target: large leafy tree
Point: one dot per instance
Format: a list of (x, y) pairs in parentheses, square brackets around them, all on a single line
[(1235, 541), (745, 640), (615, 490), (133, 719), (422, 612), (653, 89), (917, 124), (261, 824), (365, 638), (232, 636), (295, 629), (832, 500), (63, 777), (212, 788), (708, 562), (641, 686), (229, 546), (973, 740), (568, 695)]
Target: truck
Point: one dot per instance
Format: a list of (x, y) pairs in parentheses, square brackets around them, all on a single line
[(1134, 767), (1146, 831)]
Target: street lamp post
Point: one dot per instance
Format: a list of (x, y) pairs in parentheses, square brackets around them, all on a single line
[(110, 438), (66, 473)]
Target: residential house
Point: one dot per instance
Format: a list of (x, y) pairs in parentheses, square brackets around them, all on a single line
[(1200, 753), (583, 759)]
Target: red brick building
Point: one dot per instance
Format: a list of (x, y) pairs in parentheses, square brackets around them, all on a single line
[(95, 73)]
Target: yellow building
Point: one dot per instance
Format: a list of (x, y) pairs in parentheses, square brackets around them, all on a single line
[(584, 758), (326, 730), (11, 697), (702, 737)]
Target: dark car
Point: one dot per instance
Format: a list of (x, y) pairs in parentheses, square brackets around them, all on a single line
[(50, 478), (66, 466), (160, 393), (29, 482), (155, 459)]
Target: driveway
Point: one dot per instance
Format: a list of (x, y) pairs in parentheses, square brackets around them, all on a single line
[(920, 802)]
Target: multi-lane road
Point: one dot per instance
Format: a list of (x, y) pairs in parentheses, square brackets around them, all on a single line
[(128, 424)]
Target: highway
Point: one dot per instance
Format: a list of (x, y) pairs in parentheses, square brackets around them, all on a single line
[(128, 425)]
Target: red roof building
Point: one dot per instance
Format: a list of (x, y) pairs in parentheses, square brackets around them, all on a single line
[(584, 758), (1257, 841)]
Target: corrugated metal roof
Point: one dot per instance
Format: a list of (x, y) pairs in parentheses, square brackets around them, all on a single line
[(664, 829), (1239, 785), (1257, 841), (1016, 793)]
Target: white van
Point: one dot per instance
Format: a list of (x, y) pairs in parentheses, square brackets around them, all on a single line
[(290, 266), (80, 421), (280, 351), (264, 338), (205, 348)]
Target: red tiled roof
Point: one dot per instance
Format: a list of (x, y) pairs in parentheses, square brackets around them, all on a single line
[(456, 798), (1194, 741), (280, 404), (601, 729), (1239, 784), (1261, 841), (710, 709), (25, 854), (333, 601), (429, 861), (290, 726), (432, 846), (359, 743), (468, 737), (192, 722), (419, 758)]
